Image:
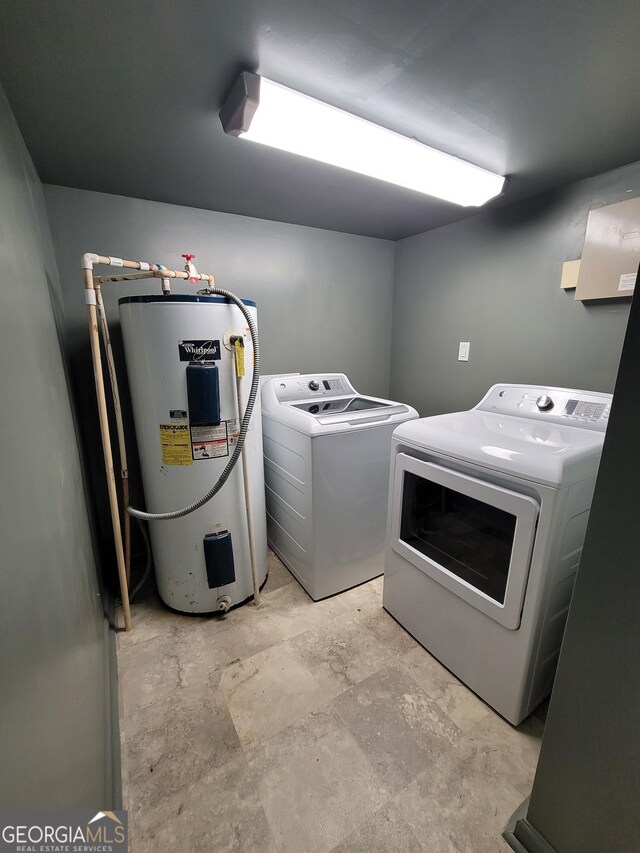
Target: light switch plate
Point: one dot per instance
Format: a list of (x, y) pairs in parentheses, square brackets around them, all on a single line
[(463, 351)]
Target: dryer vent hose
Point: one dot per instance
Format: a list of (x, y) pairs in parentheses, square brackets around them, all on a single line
[(244, 426)]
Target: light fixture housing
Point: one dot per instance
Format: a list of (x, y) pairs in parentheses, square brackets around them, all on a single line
[(262, 111)]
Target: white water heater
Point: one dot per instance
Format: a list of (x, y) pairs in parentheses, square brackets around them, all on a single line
[(182, 379)]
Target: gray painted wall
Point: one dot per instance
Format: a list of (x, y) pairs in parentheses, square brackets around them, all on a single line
[(587, 786), (54, 650), (324, 299), (494, 280)]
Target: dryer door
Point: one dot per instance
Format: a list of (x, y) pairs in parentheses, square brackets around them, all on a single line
[(471, 536)]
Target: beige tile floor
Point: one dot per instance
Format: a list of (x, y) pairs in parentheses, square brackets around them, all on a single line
[(302, 727)]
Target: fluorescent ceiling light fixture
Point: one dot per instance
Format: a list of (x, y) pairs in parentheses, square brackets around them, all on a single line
[(263, 111)]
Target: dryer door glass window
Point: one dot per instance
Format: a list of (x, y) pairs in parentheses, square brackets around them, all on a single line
[(469, 538)]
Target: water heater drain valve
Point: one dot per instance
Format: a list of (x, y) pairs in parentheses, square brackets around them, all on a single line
[(223, 603)]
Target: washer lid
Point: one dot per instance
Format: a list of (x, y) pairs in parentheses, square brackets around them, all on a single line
[(340, 404), (366, 412), (327, 403), (547, 453)]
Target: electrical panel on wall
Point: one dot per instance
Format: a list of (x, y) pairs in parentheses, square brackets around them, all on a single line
[(611, 253)]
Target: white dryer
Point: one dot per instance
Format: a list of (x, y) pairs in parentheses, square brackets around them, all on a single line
[(326, 462), (487, 516)]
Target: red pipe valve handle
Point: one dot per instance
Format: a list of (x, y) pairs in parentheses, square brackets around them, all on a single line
[(194, 278)]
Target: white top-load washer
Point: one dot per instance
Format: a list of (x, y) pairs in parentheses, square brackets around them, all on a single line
[(487, 516), (326, 458)]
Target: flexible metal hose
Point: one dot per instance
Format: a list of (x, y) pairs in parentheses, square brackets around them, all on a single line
[(148, 564), (244, 426)]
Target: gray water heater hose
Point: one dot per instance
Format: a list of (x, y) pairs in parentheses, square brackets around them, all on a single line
[(244, 426)]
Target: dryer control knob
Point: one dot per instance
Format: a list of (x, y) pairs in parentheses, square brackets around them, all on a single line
[(544, 403), (314, 385)]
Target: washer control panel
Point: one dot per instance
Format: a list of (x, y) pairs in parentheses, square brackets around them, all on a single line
[(586, 409), (310, 386)]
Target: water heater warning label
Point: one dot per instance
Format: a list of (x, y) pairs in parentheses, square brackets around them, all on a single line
[(210, 442), (233, 429), (175, 444)]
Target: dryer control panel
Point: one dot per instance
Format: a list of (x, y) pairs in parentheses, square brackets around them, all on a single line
[(290, 389), (586, 409)]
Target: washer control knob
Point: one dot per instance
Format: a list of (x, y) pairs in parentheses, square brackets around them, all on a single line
[(314, 385), (544, 403)]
